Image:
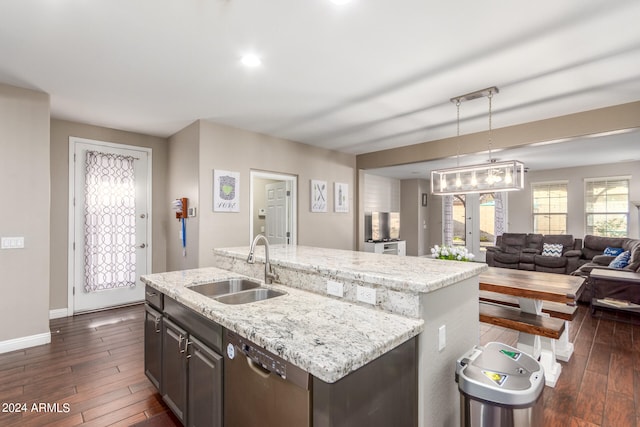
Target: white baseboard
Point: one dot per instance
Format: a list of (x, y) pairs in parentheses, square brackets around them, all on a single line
[(58, 313), (24, 342)]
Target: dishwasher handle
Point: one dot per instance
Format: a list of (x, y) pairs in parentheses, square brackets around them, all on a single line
[(263, 372)]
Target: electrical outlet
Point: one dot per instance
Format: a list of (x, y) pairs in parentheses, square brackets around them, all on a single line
[(335, 288), (367, 295), (442, 337)]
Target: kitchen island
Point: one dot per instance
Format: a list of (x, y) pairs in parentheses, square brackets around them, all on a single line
[(339, 363), (327, 338), (443, 294)]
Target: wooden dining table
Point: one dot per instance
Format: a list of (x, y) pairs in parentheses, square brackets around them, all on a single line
[(531, 288)]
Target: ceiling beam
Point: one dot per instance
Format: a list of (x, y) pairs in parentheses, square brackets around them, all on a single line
[(608, 119)]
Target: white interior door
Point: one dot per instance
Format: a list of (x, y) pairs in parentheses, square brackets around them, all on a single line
[(110, 190), (277, 197)]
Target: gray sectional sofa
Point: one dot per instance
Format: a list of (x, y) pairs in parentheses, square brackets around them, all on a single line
[(593, 257)]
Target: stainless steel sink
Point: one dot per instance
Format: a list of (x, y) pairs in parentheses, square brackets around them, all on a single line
[(252, 295), (222, 287)]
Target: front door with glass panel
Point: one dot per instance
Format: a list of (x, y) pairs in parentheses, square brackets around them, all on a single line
[(474, 223), (109, 218)]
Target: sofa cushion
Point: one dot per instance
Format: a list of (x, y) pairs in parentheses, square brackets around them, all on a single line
[(634, 260), (552, 249), (595, 245), (566, 240), (621, 261), (507, 258), (550, 261), (612, 251), (534, 242), (513, 242)]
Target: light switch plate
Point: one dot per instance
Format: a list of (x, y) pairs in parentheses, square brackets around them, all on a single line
[(442, 337), (12, 243)]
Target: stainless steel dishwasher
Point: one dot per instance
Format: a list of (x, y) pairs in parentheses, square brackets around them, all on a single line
[(261, 389)]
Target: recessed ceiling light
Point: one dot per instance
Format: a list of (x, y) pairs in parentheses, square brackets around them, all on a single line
[(251, 60), (340, 2)]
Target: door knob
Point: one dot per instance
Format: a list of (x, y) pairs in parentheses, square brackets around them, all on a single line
[(142, 246)]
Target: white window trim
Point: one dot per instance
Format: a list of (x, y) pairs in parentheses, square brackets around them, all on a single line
[(554, 182), (606, 178)]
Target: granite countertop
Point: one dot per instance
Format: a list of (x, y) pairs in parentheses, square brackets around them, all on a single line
[(325, 337), (401, 273)]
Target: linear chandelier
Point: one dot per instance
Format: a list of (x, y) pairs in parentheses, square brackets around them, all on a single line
[(489, 177)]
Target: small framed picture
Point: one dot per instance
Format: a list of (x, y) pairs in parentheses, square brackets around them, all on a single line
[(318, 196), (226, 191), (341, 197)]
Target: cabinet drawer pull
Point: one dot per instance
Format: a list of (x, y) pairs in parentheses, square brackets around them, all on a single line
[(180, 344)]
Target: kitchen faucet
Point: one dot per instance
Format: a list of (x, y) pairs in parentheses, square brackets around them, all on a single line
[(269, 275)]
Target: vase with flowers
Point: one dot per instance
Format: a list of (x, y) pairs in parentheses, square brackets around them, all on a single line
[(455, 253)]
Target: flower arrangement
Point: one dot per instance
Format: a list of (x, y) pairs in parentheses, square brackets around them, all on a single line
[(456, 253)]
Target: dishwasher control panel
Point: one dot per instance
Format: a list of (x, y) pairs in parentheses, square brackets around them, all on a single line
[(258, 355)]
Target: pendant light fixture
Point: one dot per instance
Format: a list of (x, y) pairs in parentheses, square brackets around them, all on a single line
[(489, 177)]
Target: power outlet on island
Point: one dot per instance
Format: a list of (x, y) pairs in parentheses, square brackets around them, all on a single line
[(367, 295), (335, 288)]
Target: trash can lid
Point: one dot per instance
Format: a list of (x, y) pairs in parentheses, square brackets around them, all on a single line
[(501, 374)]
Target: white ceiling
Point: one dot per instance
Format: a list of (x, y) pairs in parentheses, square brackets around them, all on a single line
[(366, 76)]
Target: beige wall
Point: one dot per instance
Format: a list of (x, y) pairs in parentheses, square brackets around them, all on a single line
[(520, 218), (24, 174), (61, 130), (183, 181), (227, 148), (413, 216)]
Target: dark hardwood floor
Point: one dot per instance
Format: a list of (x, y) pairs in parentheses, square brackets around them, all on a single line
[(600, 385), (92, 375)]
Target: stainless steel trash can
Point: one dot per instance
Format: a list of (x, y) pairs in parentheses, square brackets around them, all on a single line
[(500, 386)]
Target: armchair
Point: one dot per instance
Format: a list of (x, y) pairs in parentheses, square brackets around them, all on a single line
[(506, 252)]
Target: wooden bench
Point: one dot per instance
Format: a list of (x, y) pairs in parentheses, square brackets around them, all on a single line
[(553, 309), (513, 318)]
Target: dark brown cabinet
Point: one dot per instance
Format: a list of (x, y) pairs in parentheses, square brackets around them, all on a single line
[(153, 346), (174, 368), (204, 385), (183, 363)]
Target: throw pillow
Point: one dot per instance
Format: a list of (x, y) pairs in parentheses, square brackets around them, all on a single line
[(552, 249), (612, 251), (621, 260)]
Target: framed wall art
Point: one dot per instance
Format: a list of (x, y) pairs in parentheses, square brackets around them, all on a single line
[(318, 196), (226, 191), (340, 197)]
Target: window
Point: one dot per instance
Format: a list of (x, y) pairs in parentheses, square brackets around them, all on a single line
[(607, 206), (549, 207)]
